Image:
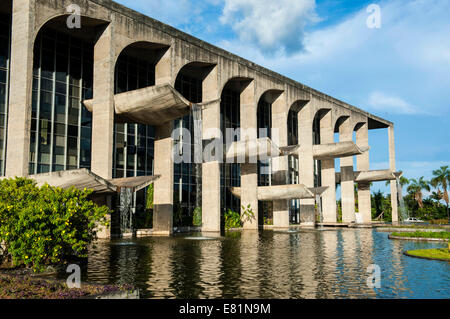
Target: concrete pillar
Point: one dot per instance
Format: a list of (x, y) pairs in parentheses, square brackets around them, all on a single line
[(347, 181), (103, 105), (392, 163), (364, 201), (280, 164), (21, 79), (163, 193), (328, 171), (249, 171), (211, 201), (306, 163)]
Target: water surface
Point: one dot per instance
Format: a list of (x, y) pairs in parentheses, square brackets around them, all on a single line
[(304, 264)]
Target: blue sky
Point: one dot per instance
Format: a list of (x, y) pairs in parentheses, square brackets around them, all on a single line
[(400, 71)]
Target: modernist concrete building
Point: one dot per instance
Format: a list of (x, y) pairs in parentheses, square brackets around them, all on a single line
[(106, 98)]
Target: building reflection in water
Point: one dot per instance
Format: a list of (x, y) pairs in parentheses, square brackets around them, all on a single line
[(321, 263)]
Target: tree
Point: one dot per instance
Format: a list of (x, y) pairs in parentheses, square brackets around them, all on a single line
[(416, 187), (441, 179)]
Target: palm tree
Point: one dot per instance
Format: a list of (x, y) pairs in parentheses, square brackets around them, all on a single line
[(442, 179), (415, 188)]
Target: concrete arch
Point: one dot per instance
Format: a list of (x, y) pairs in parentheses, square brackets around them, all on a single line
[(178, 68), (197, 70), (60, 19), (238, 80), (339, 121), (142, 45)]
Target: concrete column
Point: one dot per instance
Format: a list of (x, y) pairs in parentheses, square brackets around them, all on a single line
[(306, 163), (249, 171), (347, 181), (103, 105), (211, 201), (363, 164), (328, 172), (392, 163), (280, 164), (21, 80), (163, 193), (163, 69)]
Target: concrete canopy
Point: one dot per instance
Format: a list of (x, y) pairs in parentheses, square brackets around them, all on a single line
[(373, 176), (283, 192), (84, 179), (261, 149), (337, 150), (153, 105)]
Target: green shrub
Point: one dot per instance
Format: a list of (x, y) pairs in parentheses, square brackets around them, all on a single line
[(46, 226), (232, 220), (197, 219), (150, 197)]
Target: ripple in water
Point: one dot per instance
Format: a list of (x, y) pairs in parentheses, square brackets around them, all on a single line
[(312, 264)]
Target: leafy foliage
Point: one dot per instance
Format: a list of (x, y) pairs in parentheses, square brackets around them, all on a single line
[(197, 219), (150, 196), (47, 225), (232, 220)]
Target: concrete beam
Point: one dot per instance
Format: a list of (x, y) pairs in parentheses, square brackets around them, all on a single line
[(148, 106), (306, 163), (364, 198), (249, 172), (328, 171), (211, 201), (280, 163), (163, 193), (392, 163), (103, 105), (347, 182), (283, 192), (21, 81)]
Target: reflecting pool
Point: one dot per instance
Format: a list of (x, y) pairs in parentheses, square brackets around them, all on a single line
[(322, 263)]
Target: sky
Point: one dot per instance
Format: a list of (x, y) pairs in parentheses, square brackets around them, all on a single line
[(399, 71)]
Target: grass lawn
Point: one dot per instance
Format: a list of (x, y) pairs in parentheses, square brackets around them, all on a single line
[(442, 253), (418, 234), (415, 226)]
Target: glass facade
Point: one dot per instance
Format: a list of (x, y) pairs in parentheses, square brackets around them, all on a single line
[(230, 174), (316, 141), (5, 49), (187, 176), (293, 163), (61, 127), (134, 143), (264, 118)]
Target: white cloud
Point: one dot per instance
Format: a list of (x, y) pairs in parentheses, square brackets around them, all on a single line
[(409, 55), (270, 25), (382, 102)]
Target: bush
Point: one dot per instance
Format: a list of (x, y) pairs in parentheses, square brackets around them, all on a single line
[(46, 226), (197, 219), (232, 220), (235, 220)]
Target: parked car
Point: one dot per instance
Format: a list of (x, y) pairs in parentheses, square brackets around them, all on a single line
[(413, 220)]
